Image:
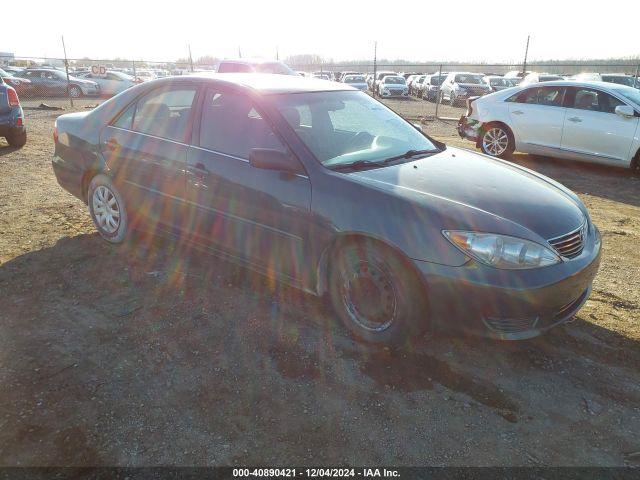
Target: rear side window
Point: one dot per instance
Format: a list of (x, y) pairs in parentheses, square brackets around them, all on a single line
[(162, 113), (230, 124)]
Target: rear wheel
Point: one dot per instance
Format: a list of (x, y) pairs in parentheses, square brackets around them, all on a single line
[(497, 141), (376, 295), (17, 140), (107, 209)]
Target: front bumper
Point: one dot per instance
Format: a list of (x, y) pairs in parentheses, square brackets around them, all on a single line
[(394, 94), (510, 304)]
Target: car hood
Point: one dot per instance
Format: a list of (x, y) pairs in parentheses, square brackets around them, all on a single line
[(469, 191)]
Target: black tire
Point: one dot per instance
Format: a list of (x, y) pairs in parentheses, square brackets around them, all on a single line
[(75, 91), (635, 164), (17, 140), (103, 193), (395, 309), (497, 132)]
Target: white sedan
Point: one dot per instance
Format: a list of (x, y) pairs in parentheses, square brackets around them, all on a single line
[(588, 121), (112, 82)]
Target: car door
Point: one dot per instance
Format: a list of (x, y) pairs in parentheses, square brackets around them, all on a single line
[(592, 129), (255, 214), (537, 118), (145, 149)]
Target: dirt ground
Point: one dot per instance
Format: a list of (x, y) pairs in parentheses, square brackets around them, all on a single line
[(144, 355)]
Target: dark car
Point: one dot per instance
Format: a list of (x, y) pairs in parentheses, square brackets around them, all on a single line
[(53, 82), (322, 187), (11, 116), (254, 66)]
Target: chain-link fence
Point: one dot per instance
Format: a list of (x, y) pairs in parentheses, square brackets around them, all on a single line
[(427, 90), (440, 90)]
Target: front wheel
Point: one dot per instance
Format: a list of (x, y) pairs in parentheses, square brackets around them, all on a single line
[(75, 91), (377, 296), (107, 209), (497, 141)]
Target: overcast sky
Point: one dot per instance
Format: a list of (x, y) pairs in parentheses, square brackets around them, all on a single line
[(490, 30)]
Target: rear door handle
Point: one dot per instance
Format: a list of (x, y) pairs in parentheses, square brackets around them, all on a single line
[(200, 171), (575, 119)]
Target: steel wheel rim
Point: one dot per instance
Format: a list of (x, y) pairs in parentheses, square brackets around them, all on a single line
[(106, 209), (379, 311), (495, 141)]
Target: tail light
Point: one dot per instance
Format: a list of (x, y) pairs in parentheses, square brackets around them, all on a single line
[(14, 101)]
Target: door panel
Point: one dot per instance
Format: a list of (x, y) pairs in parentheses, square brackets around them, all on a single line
[(150, 173), (261, 216), (538, 117), (591, 128)]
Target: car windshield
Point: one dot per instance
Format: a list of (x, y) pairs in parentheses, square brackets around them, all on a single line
[(476, 79), (437, 80), (3, 73), (274, 67), (630, 94), (498, 82), (345, 127), (354, 79), (620, 80), (394, 80)]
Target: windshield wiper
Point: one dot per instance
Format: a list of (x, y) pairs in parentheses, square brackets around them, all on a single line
[(359, 164), (408, 154)]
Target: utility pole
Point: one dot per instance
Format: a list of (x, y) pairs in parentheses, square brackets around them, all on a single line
[(239, 52), (277, 54), (375, 66), (190, 58), (66, 67), (526, 52), (636, 84)]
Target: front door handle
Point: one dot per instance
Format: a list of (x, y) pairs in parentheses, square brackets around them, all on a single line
[(575, 119), (111, 144), (517, 112)]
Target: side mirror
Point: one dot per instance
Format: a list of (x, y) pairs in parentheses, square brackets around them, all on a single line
[(625, 111), (269, 159), (417, 126)]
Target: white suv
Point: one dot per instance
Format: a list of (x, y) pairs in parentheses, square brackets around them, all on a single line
[(590, 121), (459, 86)]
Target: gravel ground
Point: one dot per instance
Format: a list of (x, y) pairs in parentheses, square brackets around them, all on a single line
[(144, 355)]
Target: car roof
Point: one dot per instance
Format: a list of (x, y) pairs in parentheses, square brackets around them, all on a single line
[(271, 83), (578, 83)]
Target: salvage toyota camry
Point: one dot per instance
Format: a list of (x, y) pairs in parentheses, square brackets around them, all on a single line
[(324, 188)]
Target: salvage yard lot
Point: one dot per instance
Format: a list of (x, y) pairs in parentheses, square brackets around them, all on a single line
[(143, 354)]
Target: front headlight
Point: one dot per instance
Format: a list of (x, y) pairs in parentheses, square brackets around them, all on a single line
[(502, 251)]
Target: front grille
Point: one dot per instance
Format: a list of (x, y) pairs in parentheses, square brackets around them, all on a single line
[(570, 308), (571, 244), (510, 325), (475, 91)]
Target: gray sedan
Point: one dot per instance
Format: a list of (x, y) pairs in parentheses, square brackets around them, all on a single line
[(324, 188)]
